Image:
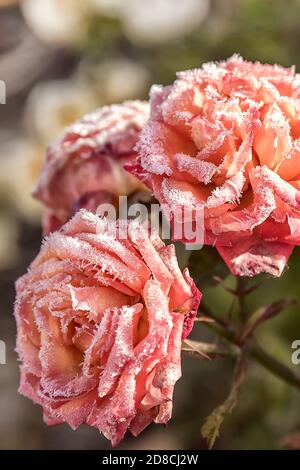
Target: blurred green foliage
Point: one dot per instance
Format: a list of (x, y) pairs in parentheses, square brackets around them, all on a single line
[(263, 30)]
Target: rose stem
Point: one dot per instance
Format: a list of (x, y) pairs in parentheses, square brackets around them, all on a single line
[(241, 285), (262, 357)]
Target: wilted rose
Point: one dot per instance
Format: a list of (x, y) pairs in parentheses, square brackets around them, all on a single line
[(84, 167), (227, 137), (100, 325)]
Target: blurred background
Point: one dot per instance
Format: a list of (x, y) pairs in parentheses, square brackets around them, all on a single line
[(62, 58)]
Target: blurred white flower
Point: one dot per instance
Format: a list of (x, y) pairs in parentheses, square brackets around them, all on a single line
[(146, 21), (117, 80), (20, 162), (58, 21), (157, 21), (53, 105)]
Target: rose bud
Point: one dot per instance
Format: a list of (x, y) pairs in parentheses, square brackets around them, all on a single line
[(226, 138), (100, 322), (84, 167)]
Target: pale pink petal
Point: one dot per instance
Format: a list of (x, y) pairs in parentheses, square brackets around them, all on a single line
[(253, 257)]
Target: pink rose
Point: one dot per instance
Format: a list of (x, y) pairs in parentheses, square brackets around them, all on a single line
[(227, 137), (85, 166), (100, 325)]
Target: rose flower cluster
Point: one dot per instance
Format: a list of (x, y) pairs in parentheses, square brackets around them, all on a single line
[(101, 317)]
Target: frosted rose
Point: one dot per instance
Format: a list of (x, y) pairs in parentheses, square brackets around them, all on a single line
[(227, 136), (84, 167), (100, 324)]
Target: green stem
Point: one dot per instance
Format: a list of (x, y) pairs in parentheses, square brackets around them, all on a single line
[(262, 357), (241, 285)]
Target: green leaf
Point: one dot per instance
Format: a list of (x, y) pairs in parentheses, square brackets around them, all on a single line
[(211, 427)]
